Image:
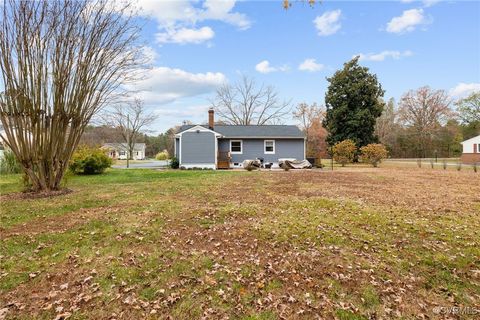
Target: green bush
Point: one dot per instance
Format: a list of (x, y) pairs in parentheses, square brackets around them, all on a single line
[(344, 152), (374, 153), (9, 163), (162, 155), (88, 160), (174, 163)]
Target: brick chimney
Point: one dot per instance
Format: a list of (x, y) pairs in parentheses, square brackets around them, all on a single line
[(211, 118)]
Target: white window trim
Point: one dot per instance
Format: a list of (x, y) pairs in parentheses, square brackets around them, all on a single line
[(265, 147), (241, 147)]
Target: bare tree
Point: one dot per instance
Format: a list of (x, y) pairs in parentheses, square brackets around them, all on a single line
[(385, 126), (311, 118), (308, 114), (61, 62), (243, 103), (424, 111), (130, 118)]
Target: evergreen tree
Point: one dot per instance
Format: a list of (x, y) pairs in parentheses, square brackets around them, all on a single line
[(354, 102)]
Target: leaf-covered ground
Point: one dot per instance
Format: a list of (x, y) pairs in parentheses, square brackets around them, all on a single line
[(355, 243)]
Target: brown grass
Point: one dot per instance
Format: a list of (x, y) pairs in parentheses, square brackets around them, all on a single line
[(355, 243)]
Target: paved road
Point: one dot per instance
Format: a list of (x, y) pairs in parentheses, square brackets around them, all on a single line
[(148, 164)]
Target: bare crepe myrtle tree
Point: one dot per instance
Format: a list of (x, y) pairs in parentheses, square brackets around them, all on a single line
[(130, 118), (61, 62), (245, 103)]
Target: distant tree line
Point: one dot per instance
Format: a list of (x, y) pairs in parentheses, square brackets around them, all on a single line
[(423, 124)]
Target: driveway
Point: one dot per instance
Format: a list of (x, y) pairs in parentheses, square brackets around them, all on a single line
[(147, 164)]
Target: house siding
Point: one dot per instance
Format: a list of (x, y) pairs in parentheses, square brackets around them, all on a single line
[(254, 148), (471, 151), (198, 148)]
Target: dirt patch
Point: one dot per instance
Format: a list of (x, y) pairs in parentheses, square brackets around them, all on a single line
[(35, 195), (60, 223), (432, 191)]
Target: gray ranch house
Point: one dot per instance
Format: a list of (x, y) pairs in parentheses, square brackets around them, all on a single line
[(227, 146)]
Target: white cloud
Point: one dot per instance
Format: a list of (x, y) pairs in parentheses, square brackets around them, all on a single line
[(426, 3), (222, 10), (310, 65), (162, 84), (328, 23), (187, 112), (462, 90), (407, 22), (185, 35), (265, 67), (177, 20), (429, 3), (384, 54), (150, 54)]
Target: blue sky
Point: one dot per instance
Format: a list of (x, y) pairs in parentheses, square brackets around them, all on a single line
[(195, 46)]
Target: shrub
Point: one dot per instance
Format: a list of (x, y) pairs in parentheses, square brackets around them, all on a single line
[(162, 155), (344, 152), (9, 163), (88, 160), (373, 153), (174, 163)]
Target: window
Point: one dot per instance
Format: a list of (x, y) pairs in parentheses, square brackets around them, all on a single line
[(236, 146), (122, 153), (269, 146)]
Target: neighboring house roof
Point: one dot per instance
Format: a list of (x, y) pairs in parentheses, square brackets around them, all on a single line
[(123, 146), (254, 131), (471, 139)]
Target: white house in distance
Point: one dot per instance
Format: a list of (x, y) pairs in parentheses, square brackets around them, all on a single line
[(119, 151), (471, 150)]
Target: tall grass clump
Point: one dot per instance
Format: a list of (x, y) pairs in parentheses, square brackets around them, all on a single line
[(9, 163)]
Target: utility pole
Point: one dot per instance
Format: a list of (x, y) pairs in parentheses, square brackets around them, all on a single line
[(128, 141)]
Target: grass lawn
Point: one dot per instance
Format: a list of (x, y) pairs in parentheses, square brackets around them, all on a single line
[(124, 162), (355, 243)]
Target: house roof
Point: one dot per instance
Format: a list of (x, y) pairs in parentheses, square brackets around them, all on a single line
[(123, 146), (476, 138), (254, 131)]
